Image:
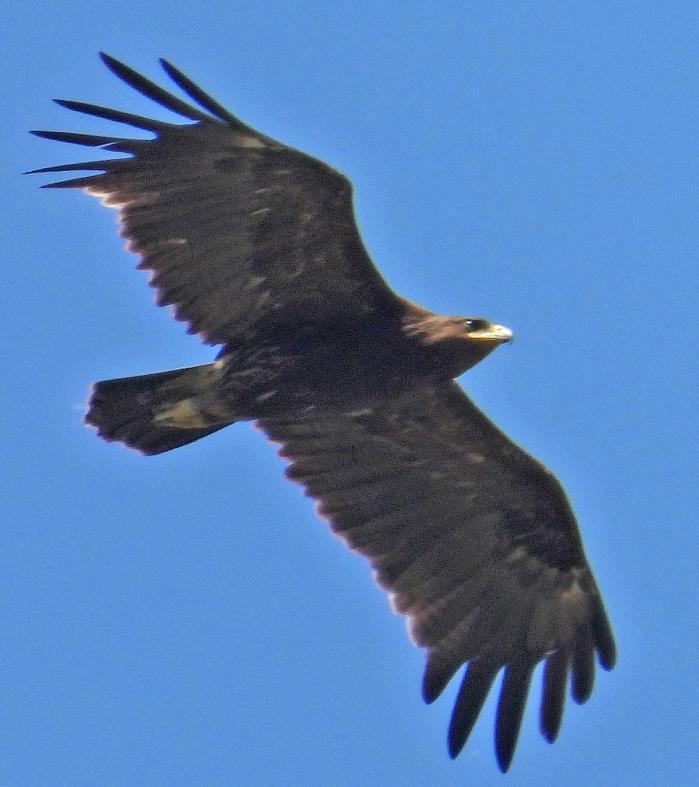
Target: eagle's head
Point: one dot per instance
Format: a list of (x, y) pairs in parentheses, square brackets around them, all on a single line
[(461, 341), (480, 330)]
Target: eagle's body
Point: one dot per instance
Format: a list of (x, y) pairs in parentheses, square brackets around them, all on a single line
[(256, 247)]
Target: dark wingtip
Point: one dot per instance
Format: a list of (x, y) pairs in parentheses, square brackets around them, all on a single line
[(474, 689), (39, 171), (607, 658), (138, 121), (454, 744), (104, 165), (429, 694), (554, 694), (89, 140), (504, 760), (171, 70), (106, 58), (200, 96), (437, 675), (73, 183), (151, 90), (511, 705), (114, 65), (604, 641), (583, 667)]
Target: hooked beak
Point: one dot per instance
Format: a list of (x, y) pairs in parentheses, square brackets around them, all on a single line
[(496, 334)]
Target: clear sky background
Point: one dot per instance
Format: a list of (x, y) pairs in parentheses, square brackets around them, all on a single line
[(186, 619)]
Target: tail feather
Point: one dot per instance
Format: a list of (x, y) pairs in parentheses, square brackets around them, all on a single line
[(125, 410)]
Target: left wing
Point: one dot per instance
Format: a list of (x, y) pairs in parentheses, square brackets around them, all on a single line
[(473, 539), (243, 234)]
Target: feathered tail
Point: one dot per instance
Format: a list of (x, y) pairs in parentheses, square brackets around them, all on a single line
[(152, 413)]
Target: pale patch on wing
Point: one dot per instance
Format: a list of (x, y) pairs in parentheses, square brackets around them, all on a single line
[(452, 639), (254, 282), (573, 595), (247, 141), (517, 554), (184, 414), (264, 297), (109, 198), (265, 396)]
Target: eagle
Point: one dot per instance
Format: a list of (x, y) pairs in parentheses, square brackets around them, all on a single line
[(256, 247)]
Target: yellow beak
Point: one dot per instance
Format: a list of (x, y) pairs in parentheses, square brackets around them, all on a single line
[(493, 333)]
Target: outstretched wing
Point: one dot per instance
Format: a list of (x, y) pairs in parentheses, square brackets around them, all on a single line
[(243, 234), (475, 542)]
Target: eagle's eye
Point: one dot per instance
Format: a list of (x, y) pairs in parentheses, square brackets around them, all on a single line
[(473, 324)]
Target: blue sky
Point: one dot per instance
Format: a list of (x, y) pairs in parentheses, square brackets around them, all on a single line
[(186, 619)]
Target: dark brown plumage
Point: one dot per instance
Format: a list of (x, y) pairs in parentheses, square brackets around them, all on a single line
[(256, 247)]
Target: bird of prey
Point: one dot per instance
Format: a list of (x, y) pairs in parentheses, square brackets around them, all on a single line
[(255, 246)]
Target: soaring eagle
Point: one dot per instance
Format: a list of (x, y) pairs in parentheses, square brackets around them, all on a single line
[(255, 246)]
